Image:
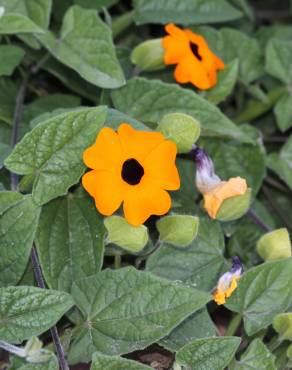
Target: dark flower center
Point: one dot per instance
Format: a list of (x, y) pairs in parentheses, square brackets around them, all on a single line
[(132, 171), (195, 50)]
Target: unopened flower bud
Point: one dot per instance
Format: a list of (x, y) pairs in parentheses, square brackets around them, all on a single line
[(228, 282), (282, 323), (274, 245), (223, 200), (34, 353), (149, 55), (182, 129)]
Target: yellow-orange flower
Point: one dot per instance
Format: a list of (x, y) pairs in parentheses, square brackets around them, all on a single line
[(214, 198), (228, 282), (133, 167), (196, 63)]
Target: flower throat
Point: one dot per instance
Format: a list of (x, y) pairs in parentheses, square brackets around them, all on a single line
[(132, 171)]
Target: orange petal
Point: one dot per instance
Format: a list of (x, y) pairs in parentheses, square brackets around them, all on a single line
[(173, 30), (106, 152), (214, 199), (144, 200), (160, 166), (107, 189), (176, 45), (192, 70), (138, 144)]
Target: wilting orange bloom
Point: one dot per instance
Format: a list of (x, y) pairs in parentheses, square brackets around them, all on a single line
[(133, 167), (228, 282), (214, 198), (196, 63)]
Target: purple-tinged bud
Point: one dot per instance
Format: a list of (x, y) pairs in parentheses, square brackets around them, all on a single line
[(206, 178)]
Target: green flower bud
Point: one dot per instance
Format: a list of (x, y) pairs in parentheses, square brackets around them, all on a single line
[(131, 238), (149, 55), (274, 245), (181, 128), (34, 352), (283, 325), (179, 230), (234, 207)]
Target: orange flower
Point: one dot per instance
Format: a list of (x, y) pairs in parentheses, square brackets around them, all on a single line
[(196, 63), (134, 167), (213, 189), (214, 198)]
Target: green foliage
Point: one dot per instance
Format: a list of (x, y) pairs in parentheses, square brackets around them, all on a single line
[(155, 305), (257, 356), (18, 223), (208, 353), (27, 311), (189, 12), (200, 263), (68, 69), (128, 237), (80, 25), (101, 362), (263, 292), (150, 100), (71, 236), (63, 138)]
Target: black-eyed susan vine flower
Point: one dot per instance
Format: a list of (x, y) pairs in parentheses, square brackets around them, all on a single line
[(194, 60), (214, 190), (133, 167), (228, 282)]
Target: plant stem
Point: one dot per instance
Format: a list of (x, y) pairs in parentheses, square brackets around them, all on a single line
[(121, 23), (14, 182), (118, 261), (16, 121), (256, 219), (54, 332), (12, 349), (233, 325)]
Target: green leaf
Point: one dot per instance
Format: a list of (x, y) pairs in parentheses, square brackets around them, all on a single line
[(18, 223), (102, 362), (178, 230), (120, 232), (16, 363), (278, 56), (4, 152), (63, 139), (232, 160), (199, 264), (10, 58), (187, 12), (281, 163), (36, 10), (48, 103), (225, 44), (13, 23), (71, 237), (208, 353), (185, 198), (114, 118), (274, 245), (257, 356), (150, 100), (84, 30), (198, 325), (127, 309), (263, 292), (8, 92), (282, 323), (283, 112), (95, 4), (27, 311), (226, 82), (182, 129)]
